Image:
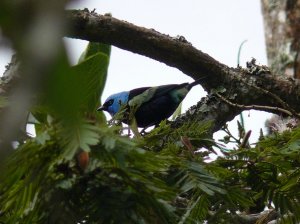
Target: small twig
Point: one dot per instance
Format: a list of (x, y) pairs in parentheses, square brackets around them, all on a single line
[(267, 215), (255, 107), (277, 98), (285, 105), (187, 143), (245, 141), (226, 130)]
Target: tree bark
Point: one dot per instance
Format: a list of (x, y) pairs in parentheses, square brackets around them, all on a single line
[(282, 33)]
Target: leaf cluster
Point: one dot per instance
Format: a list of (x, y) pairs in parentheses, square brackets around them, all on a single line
[(165, 177), (123, 180), (268, 174), (77, 169)]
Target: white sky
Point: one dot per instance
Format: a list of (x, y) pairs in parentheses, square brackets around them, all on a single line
[(215, 27)]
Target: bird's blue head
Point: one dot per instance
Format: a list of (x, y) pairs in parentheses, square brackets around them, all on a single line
[(113, 103)]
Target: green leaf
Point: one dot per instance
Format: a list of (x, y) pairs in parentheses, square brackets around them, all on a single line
[(90, 77), (197, 211), (94, 48), (74, 92), (79, 137), (198, 178), (3, 102), (177, 111)]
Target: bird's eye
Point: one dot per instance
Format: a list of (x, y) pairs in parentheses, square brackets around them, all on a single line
[(110, 102)]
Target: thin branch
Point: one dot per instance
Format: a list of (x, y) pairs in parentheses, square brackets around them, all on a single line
[(277, 98), (252, 66), (255, 107), (267, 216)]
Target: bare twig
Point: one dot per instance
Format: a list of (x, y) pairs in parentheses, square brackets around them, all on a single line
[(274, 96), (245, 141), (255, 107)]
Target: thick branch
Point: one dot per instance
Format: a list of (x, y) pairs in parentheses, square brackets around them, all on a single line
[(209, 108), (175, 52), (252, 86)]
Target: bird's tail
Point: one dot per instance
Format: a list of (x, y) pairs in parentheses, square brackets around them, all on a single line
[(196, 82)]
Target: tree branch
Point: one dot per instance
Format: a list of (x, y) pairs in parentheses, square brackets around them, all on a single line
[(257, 107), (179, 53), (175, 52), (210, 108)]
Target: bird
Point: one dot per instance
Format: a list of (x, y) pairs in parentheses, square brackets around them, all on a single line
[(149, 105)]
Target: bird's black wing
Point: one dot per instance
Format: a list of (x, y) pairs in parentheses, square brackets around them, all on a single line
[(155, 110), (135, 92), (159, 91), (157, 107), (165, 89), (154, 103)]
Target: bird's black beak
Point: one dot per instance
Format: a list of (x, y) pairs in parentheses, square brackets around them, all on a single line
[(101, 108)]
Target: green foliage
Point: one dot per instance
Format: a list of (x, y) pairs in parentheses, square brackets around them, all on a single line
[(120, 177), (76, 90), (44, 182), (270, 172), (280, 159), (78, 169), (126, 180)]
